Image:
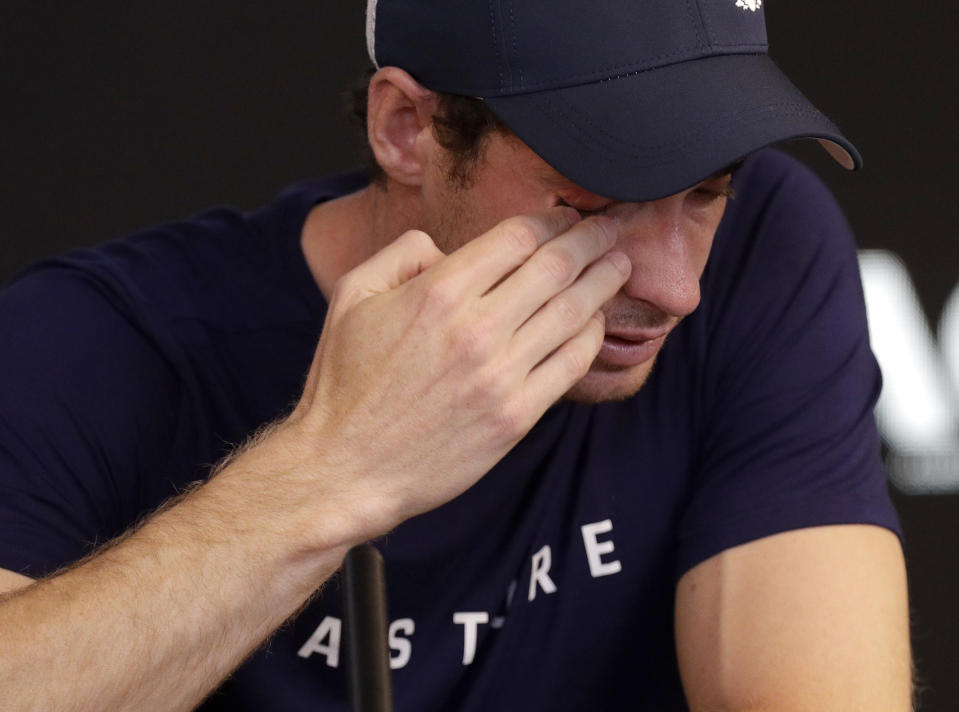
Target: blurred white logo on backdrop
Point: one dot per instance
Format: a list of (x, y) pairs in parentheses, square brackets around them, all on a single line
[(918, 412)]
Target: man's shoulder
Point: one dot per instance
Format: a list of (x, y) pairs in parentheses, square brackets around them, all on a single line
[(214, 267)]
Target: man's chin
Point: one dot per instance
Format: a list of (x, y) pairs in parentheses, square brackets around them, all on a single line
[(609, 383)]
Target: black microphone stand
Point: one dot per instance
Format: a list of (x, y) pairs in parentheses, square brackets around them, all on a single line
[(364, 603)]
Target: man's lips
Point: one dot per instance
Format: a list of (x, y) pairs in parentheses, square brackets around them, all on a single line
[(638, 335), (631, 348)]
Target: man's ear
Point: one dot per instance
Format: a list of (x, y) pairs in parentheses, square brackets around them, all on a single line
[(400, 125)]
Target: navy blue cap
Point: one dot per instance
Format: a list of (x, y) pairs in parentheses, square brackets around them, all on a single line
[(631, 99)]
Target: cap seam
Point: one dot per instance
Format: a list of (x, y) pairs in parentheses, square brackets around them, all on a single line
[(590, 76), (706, 35), (550, 83), (636, 72), (496, 52), (620, 65), (763, 45), (515, 52)]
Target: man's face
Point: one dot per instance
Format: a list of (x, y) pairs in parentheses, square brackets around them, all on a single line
[(668, 242)]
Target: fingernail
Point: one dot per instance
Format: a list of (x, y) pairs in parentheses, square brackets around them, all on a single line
[(609, 229), (621, 262)]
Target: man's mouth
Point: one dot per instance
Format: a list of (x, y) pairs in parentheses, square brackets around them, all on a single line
[(631, 348)]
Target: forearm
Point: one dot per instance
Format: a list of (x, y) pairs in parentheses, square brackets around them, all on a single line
[(159, 619)]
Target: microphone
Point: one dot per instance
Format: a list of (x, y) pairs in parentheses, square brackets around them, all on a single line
[(364, 603)]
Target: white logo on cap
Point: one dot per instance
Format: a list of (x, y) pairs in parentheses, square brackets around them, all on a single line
[(749, 4)]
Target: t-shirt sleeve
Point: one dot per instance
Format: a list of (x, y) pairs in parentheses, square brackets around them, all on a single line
[(789, 380), (87, 407)]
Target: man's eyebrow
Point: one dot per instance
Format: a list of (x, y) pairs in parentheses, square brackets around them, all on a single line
[(729, 170)]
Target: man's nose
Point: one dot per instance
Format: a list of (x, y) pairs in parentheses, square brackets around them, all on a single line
[(663, 246)]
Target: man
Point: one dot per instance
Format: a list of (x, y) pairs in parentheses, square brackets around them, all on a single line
[(701, 520)]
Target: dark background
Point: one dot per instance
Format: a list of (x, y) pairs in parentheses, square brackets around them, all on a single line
[(117, 115)]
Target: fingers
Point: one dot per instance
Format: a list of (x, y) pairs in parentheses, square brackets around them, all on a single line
[(565, 367), (552, 268), (485, 261), (567, 313), (410, 254)]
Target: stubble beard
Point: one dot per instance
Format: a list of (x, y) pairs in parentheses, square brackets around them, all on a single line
[(605, 383), (608, 382)]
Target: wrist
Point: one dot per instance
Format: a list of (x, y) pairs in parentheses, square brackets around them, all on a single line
[(297, 494)]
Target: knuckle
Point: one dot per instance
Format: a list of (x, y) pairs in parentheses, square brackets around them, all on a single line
[(417, 239), (597, 325), (345, 287), (576, 363), (521, 234), (489, 387), (439, 297), (471, 343), (559, 264), (567, 309), (510, 419)]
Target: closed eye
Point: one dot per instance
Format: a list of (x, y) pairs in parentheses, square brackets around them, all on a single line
[(720, 184), (583, 213), (725, 191)]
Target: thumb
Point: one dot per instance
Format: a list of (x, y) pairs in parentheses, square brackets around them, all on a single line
[(410, 254)]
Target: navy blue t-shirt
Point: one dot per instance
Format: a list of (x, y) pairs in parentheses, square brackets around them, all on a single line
[(129, 369)]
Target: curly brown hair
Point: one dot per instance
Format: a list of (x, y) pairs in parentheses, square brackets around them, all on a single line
[(461, 125)]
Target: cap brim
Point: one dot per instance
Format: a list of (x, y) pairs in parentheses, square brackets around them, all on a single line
[(655, 133)]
